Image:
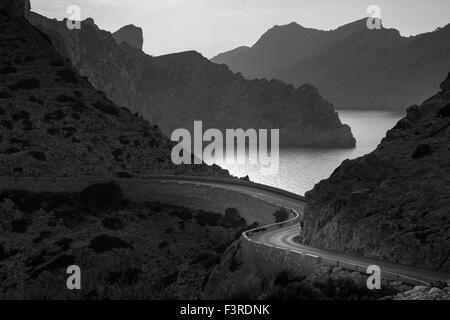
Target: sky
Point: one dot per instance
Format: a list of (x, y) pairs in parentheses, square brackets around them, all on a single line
[(214, 26)]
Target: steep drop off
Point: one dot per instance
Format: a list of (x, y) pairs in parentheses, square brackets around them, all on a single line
[(174, 90), (392, 204)]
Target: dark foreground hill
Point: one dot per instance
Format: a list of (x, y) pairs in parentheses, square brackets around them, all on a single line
[(174, 90), (54, 123)]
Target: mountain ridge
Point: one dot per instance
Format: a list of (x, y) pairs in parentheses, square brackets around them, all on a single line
[(190, 88), (395, 73)]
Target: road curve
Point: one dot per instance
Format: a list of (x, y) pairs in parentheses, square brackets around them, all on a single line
[(285, 237)]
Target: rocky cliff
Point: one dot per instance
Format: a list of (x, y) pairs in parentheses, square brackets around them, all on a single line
[(392, 204), (174, 90), (352, 66), (53, 122), (131, 35)]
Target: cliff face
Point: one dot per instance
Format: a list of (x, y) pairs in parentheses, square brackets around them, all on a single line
[(389, 71), (392, 204), (174, 90), (53, 122)]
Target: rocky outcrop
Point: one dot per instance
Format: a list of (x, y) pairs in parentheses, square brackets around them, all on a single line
[(425, 293), (54, 123), (131, 35), (391, 204), (352, 66), (174, 90)]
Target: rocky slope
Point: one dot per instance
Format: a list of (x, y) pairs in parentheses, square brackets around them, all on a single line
[(174, 90), (391, 204), (387, 70), (53, 122)]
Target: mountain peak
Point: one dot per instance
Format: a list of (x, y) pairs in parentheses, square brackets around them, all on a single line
[(130, 34)]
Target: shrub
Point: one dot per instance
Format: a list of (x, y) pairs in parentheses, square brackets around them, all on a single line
[(54, 116), (71, 217), (206, 260), (106, 108), (79, 107), (124, 175), (421, 151), (23, 143), (20, 225), (34, 99), (63, 98), (20, 115), (64, 243), (205, 218), (5, 95), (53, 131), (281, 215), (27, 84), (12, 150), (7, 124), (27, 125), (163, 245), (56, 63), (233, 219), (103, 243), (8, 70), (101, 196), (113, 223), (62, 262), (169, 279), (38, 155), (66, 75), (444, 112)]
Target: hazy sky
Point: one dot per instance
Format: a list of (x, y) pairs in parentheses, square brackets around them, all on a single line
[(213, 26)]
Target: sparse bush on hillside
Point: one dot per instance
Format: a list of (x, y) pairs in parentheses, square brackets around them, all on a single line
[(66, 75), (38, 155), (101, 196), (56, 115), (106, 108), (7, 124), (205, 218), (281, 215), (20, 115), (233, 219), (26, 84), (422, 151)]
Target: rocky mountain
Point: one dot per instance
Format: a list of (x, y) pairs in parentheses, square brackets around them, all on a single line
[(54, 123), (352, 66), (131, 35), (174, 90), (391, 204)]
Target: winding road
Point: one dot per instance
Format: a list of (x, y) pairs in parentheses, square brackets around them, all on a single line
[(284, 238), (279, 237)]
